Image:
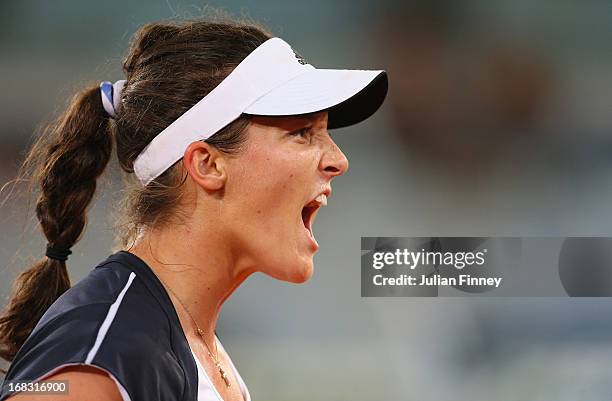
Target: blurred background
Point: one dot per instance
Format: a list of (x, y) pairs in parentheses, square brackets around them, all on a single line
[(498, 123)]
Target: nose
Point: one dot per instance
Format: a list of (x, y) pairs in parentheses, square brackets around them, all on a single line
[(334, 162)]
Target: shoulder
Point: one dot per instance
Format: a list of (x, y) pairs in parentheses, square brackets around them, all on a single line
[(83, 382), (110, 321)]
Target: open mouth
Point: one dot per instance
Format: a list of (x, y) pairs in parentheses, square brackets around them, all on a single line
[(309, 212), (308, 215)]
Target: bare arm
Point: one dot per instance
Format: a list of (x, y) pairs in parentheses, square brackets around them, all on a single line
[(85, 383)]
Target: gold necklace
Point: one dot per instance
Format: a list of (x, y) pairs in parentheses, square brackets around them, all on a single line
[(201, 334)]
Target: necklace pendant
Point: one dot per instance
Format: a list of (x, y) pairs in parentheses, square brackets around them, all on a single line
[(224, 377)]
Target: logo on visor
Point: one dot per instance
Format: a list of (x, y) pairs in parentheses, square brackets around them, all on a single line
[(299, 57)]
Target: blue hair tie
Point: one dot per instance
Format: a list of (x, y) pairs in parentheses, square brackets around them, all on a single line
[(111, 96)]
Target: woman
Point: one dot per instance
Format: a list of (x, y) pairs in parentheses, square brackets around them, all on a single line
[(225, 129)]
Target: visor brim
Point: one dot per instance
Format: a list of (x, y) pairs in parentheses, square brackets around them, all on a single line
[(350, 96)]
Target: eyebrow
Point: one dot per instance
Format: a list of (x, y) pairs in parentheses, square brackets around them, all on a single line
[(291, 122), (299, 123), (303, 119)]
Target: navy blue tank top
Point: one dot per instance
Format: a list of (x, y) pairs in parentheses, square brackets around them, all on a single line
[(118, 318)]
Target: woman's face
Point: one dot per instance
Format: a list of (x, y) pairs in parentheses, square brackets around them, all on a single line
[(276, 186)]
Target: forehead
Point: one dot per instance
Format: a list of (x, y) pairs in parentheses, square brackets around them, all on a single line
[(317, 119)]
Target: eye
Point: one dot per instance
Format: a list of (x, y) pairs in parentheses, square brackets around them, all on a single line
[(302, 132)]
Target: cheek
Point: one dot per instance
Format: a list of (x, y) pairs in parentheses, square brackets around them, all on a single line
[(268, 196), (273, 205), (270, 182), (258, 194)]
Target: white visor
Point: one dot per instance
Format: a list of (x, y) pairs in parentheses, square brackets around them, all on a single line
[(271, 81)]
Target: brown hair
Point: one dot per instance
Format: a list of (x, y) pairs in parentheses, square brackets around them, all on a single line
[(169, 67)]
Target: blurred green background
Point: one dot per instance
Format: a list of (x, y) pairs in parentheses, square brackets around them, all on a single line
[(498, 123)]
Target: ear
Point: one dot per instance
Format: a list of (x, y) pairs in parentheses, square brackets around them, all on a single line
[(205, 164)]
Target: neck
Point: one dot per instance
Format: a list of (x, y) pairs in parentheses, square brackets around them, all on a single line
[(198, 269)]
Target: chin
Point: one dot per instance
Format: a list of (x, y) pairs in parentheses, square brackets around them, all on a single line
[(304, 276), (296, 274)]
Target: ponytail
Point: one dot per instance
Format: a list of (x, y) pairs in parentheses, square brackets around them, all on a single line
[(64, 164)]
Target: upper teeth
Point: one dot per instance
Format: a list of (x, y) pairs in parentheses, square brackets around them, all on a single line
[(321, 199)]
